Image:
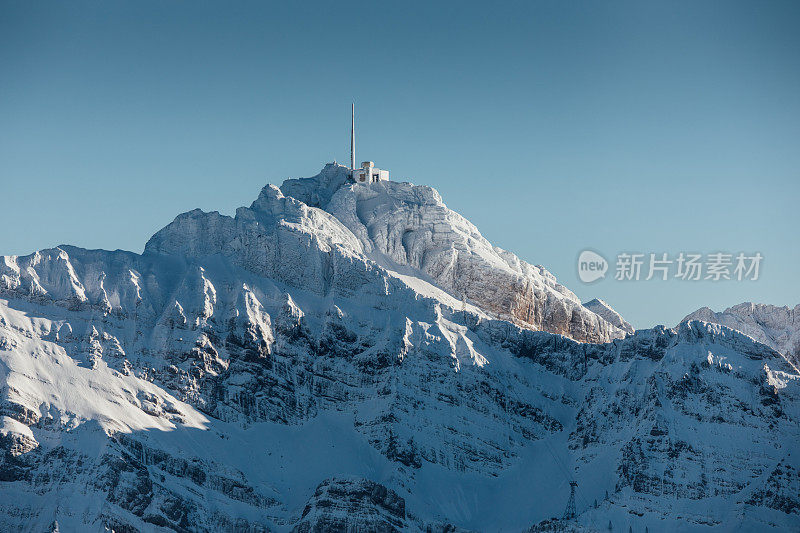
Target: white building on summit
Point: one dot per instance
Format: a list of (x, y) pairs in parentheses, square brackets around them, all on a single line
[(368, 173)]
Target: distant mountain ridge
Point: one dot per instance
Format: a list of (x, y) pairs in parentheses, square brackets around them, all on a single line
[(604, 310), (777, 327)]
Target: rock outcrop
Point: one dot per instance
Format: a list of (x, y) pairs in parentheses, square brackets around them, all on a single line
[(353, 505), (599, 307)]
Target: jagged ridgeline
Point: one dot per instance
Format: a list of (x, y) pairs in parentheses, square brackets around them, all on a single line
[(347, 356)]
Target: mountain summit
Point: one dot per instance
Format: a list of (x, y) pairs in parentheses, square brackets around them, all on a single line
[(325, 232), (356, 356)]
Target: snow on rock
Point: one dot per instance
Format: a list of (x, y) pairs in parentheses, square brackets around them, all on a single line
[(310, 364), (277, 237), (601, 308), (408, 228), (353, 505), (777, 327)]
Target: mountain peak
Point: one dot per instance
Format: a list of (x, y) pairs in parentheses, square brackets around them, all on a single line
[(317, 191), (404, 230), (777, 327), (604, 310)]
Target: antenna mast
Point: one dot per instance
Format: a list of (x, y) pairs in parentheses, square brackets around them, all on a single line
[(353, 140)]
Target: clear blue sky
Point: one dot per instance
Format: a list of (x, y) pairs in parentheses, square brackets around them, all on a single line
[(553, 126)]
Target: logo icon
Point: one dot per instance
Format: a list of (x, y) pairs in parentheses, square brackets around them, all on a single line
[(591, 266)]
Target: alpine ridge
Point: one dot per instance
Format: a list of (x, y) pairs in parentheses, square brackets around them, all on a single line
[(777, 327), (342, 356)]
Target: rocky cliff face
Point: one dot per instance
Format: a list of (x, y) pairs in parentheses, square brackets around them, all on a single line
[(309, 365), (325, 234), (777, 327), (606, 312), (407, 228), (353, 505)]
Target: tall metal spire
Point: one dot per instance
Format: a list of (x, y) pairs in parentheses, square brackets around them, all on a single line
[(353, 140)]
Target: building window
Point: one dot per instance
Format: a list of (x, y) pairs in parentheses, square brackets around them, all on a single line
[(376, 177)]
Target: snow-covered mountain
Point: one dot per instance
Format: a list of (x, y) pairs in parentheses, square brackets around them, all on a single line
[(345, 356), (601, 308), (777, 327), (324, 236)]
